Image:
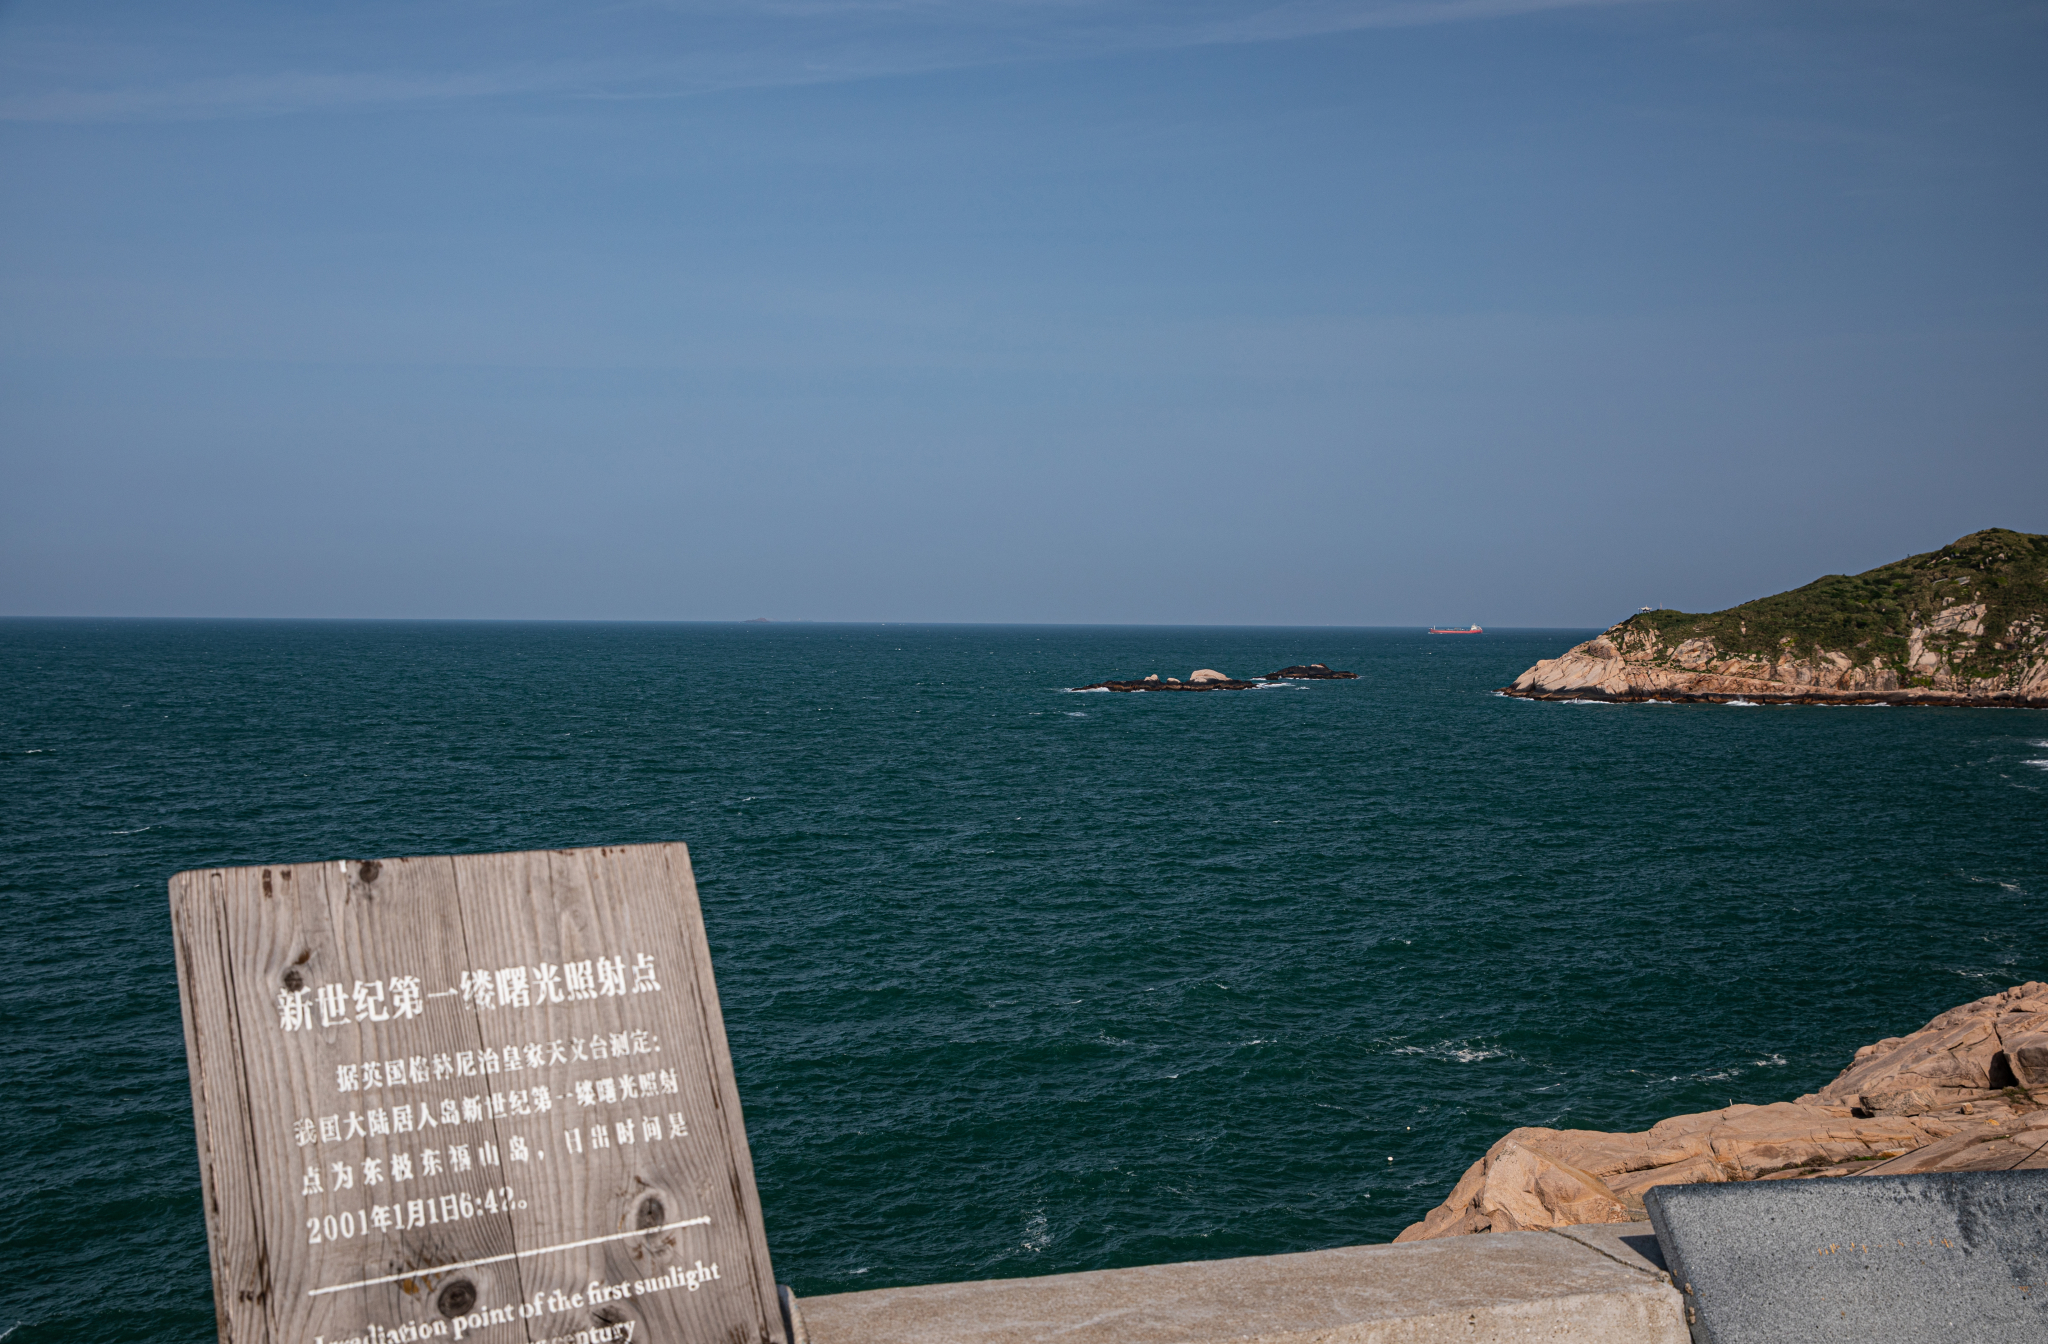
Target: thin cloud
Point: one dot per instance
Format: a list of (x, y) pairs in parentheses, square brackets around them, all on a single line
[(769, 43), (273, 94), (1310, 19)]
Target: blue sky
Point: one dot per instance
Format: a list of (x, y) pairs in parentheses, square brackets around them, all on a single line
[(1041, 310)]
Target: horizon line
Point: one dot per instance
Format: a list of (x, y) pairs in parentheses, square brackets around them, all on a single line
[(763, 620)]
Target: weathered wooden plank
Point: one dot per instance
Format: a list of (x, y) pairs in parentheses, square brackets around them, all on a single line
[(220, 1106), (709, 1019), (403, 915), (485, 1097)]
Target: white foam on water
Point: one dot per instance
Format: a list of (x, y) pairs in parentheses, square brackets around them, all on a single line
[(1769, 1062), (1280, 686), (1456, 1050), (1591, 702), (1085, 690), (1075, 713), (2043, 764), (1747, 704)]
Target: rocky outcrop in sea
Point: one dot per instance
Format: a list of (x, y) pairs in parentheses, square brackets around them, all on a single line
[(1209, 679), (1201, 679), (1966, 1092)]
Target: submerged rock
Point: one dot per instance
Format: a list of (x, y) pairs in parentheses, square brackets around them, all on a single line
[(1966, 1092)]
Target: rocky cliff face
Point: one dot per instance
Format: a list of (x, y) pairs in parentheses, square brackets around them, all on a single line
[(1966, 1092), (1964, 625)]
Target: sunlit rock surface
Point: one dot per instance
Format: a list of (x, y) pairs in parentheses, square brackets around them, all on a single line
[(1966, 1092)]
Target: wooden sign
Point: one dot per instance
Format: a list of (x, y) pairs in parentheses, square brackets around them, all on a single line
[(480, 1098)]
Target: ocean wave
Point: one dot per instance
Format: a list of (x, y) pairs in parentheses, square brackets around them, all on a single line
[(1769, 1062), (1084, 690), (2043, 763), (1738, 700)]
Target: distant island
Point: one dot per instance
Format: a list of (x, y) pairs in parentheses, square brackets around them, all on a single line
[(1964, 625), (1209, 679)]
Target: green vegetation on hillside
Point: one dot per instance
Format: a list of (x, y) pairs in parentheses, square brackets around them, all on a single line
[(1866, 617)]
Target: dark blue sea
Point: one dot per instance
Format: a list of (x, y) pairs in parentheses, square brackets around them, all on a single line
[(1017, 980)]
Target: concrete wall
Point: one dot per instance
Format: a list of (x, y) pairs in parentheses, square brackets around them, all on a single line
[(1590, 1285)]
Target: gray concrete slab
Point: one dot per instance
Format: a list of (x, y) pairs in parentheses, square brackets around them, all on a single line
[(1490, 1289), (1631, 1244), (1940, 1256)]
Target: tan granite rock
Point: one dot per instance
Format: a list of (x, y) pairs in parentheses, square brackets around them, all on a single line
[(1898, 1107), (1964, 1055), (2026, 1050), (1563, 1195), (1630, 662), (1207, 674)]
